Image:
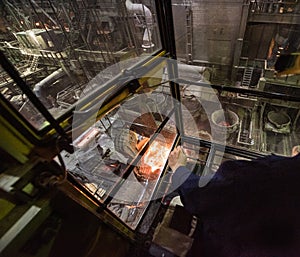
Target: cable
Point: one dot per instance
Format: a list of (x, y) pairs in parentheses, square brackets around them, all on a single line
[(55, 180)]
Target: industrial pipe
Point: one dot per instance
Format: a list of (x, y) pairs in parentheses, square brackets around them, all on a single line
[(193, 72), (40, 86), (191, 68), (144, 10)]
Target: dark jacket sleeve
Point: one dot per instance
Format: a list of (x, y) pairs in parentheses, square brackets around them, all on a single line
[(249, 208), (197, 199), (184, 182)]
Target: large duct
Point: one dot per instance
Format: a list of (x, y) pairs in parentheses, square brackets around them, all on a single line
[(41, 86), (145, 11), (193, 72), (191, 68)]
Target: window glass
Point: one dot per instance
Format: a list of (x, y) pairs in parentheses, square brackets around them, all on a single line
[(246, 45), (136, 137), (20, 101), (59, 46)]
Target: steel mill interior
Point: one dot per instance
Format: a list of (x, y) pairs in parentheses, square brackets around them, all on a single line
[(95, 94)]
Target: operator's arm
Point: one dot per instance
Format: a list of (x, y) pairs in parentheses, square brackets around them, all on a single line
[(183, 180), (198, 193)]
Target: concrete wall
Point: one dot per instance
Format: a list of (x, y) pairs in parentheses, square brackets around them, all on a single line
[(215, 29), (216, 26), (179, 14)]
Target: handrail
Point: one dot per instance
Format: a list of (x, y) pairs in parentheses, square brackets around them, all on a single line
[(247, 91), (274, 7)]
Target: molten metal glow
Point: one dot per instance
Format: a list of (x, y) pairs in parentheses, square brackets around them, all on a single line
[(156, 156)]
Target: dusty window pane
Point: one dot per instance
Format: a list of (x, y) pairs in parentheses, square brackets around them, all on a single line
[(59, 46)]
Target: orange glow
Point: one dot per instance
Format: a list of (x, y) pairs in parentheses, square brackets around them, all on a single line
[(153, 161), (156, 156)]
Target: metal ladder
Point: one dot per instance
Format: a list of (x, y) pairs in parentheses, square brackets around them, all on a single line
[(248, 72), (189, 35), (34, 63)]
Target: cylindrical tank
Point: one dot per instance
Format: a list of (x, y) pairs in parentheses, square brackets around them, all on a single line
[(224, 122)]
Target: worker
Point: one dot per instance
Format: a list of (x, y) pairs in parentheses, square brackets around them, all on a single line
[(247, 209)]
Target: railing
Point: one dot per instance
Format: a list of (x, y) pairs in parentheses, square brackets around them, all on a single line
[(275, 6), (182, 2)]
